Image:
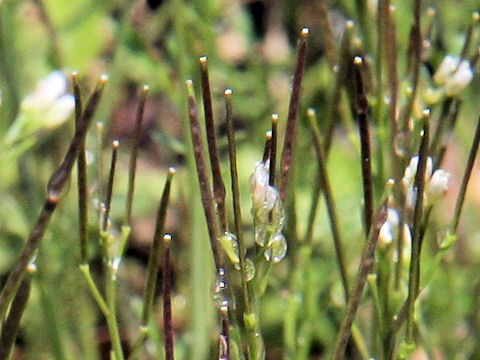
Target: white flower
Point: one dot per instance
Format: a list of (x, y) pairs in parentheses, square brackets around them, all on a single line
[(411, 170), (453, 74), (264, 196), (47, 107), (389, 228), (436, 184), (49, 101)]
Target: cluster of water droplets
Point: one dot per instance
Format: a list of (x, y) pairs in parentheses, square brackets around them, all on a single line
[(268, 213), (229, 244)]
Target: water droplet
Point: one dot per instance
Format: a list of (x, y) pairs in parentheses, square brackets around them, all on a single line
[(276, 248), (229, 243), (220, 288), (260, 234), (249, 269)]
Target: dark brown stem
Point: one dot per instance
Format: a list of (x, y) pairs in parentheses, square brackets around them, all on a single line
[(111, 178), (167, 303), (273, 151), (336, 106), (54, 190), (224, 351), (205, 192), (12, 323), (364, 269), (466, 177), (218, 185), (417, 236), (331, 208), (287, 154), (237, 213), (154, 258), (134, 155), (267, 147), (81, 175), (361, 107)]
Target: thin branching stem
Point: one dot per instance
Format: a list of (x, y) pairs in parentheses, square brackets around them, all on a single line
[(364, 269), (111, 178), (154, 259), (466, 177), (167, 301), (54, 190), (414, 63), (288, 144), (414, 271), (331, 208), (81, 175), (99, 143), (361, 107), (134, 155), (469, 36), (11, 325), (205, 190), (338, 108), (224, 343), (273, 150), (218, 185), (237, 213)]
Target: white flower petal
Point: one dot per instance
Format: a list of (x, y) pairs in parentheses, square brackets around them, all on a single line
[(60, 111)]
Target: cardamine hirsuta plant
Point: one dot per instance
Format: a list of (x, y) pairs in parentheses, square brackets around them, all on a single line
[(252, 251)]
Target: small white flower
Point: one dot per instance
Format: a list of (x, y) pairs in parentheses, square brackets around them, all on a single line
[(49, 101), (453, 74), (264, 196), (389, 228), (411, 170), (460, 79), (438, 185), (446, 69), (47, 107)]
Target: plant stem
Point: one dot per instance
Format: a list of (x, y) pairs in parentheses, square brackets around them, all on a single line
[(364, 269), (327, 192), (288, 144), (466, 177), (205, 192), (81, 175), (253, 332), (112, 321), (361, 107), (414, 272), (133, 157), (218, 185), (12, 323), (111, 178), (167, 304), (54, 190), (154, 259)]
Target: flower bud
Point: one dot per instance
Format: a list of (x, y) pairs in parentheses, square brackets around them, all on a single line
[(437, 186), (453, 74)]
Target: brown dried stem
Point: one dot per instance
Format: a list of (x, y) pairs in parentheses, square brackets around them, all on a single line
[(287, 154), (205, 190)]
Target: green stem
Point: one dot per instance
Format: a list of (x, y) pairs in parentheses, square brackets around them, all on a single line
[(112, 321)]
